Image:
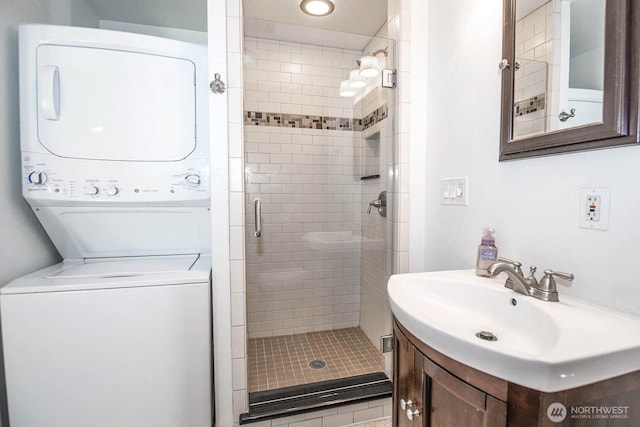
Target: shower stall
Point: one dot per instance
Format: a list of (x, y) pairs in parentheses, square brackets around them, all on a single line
[(317, 241)]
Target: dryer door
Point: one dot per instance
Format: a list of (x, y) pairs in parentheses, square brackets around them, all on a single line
[(106, 104)]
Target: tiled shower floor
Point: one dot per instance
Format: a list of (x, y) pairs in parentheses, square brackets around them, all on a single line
[(283, 361)]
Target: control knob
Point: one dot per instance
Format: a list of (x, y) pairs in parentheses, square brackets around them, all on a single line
[(37, 178), (91, 190), (112, 191), (192, 180)]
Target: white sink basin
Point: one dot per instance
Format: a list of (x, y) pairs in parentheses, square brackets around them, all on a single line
[(547, 346)]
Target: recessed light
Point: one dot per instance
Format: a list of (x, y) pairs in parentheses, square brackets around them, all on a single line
[(317, 7)]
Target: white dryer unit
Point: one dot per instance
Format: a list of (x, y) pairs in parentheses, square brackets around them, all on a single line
[(114, 141), (115, 165)]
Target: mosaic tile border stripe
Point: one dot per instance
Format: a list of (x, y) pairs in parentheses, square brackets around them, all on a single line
[(375, 116), (528, 106), (301, 121)]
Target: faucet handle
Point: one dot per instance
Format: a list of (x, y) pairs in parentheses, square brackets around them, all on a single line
[(531, 280), (548, 284), (565, 276)]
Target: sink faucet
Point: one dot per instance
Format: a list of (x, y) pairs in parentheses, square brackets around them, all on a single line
[(516, 280), (545, 290)]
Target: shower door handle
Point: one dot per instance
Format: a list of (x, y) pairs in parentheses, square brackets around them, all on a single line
[(258, 216)]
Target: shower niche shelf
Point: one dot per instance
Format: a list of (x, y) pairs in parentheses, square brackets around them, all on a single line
[(364, 178), (367, 160)]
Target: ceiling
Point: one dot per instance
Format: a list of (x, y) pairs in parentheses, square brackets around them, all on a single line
[(185, 14), (350, 26), (363, 17), (525, 7)]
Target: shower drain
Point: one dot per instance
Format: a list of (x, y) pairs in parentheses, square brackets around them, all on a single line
[(317, 364)]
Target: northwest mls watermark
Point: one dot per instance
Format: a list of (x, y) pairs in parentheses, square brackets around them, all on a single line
[(557, 412)]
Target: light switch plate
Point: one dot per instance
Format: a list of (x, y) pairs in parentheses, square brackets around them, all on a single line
[(454, 191)]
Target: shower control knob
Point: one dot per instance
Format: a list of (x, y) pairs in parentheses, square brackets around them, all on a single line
[(192, 180), (112, 191), (37, 178), (91, 190)]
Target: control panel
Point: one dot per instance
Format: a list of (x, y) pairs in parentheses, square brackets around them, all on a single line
[(48, 178)]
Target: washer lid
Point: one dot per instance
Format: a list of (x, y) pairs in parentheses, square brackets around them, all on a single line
[(123, 267), (113, 274)]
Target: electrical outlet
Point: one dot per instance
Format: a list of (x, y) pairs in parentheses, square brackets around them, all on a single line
[(594, 208)]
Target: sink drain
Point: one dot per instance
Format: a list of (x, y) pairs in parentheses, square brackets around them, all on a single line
[(317, 364), (487, 336)]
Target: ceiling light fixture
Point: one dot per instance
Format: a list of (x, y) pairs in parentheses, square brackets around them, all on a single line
[(366, 67), (356, 80), (369, 66), (346, 90), (317, 7)]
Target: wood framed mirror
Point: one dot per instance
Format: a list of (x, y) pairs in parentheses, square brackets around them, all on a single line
[(542, 112)]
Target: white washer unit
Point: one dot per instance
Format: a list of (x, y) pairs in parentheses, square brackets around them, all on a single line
[(119, 342), (115, 165)]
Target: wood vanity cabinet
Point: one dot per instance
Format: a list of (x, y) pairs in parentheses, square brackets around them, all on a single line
[(441, 392)]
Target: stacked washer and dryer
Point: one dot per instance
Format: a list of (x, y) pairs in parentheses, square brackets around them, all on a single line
[(115, 164)]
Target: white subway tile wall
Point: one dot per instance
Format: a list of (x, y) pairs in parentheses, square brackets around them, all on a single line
[(303, 273)]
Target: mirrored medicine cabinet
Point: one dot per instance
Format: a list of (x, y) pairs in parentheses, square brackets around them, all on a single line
[(570, 76)]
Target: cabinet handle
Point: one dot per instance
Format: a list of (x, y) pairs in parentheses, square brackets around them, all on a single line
[(405, 404), (411, 414)]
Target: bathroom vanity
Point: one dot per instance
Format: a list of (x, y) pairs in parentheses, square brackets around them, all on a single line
[(431, 389), (470, 352)]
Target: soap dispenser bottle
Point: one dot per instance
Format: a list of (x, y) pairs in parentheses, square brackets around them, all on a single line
[(487, 252)]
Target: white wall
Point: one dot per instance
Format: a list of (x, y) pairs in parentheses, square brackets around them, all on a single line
[(586, 72), (533, 203), (81, 14), (189, 36), (25, 246)]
